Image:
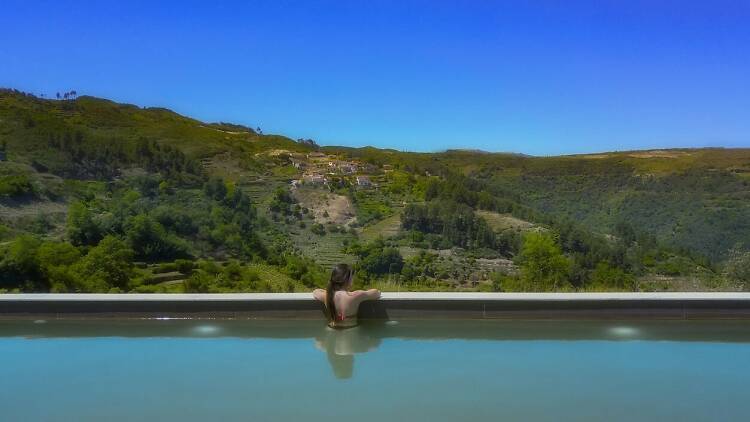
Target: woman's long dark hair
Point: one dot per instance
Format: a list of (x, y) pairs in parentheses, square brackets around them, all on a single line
[(340, 277)]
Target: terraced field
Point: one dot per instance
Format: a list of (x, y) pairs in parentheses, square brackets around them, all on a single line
[(410, 252), (386, 227), (273, 280), (259, 191), (501, 222), (325, 250), (277, 281)]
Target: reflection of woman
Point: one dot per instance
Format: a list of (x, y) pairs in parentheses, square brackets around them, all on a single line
[(341, 345), (341, 304)]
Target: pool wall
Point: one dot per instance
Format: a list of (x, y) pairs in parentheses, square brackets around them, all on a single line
[(390, 306)]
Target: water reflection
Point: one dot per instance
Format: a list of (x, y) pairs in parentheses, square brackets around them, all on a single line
[(340, 346), (208, 330), (624, 331)]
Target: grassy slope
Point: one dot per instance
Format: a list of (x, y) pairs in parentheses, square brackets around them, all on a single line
[(386, 227), (28, 121), (502, 222)]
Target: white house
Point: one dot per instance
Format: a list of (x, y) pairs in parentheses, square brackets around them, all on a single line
[(315, 179), (363, 181), (299, 164)]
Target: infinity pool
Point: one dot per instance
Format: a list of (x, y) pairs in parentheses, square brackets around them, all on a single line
[(205, 370)]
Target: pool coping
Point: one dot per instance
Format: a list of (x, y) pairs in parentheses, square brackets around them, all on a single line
[(401, 305)]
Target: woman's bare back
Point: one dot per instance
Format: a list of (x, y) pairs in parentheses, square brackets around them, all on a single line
[(347, 304)]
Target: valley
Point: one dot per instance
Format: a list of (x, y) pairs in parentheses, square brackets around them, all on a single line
[(97, 196)]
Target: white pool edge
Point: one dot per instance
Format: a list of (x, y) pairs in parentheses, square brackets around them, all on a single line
[(398, 305), (386, 296)]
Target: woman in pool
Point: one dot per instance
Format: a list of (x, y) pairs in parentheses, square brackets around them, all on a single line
[(341, 304)]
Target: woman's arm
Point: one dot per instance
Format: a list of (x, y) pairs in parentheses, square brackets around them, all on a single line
[(362, 295), (320, 295)]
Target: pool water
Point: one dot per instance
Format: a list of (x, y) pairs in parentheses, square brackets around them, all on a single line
[(223, 370)]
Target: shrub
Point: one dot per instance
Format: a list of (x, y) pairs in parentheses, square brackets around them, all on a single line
[(318, 229), (542, 261), (16, 185), (184, 266), (607, 276), (199, 282), (737, 267)]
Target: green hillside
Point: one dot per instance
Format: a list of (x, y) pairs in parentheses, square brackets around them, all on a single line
[(101, 196)]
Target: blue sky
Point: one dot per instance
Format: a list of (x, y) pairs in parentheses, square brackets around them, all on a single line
[(538, 77)]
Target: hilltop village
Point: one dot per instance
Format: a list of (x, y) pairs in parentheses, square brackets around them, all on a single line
[(320, 169)]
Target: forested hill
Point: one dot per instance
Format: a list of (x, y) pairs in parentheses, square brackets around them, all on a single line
[(193, 206), (93, 138)]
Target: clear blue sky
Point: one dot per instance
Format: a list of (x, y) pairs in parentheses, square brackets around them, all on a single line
[(538, 77)]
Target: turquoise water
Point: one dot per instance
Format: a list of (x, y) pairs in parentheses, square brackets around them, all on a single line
[(205, 370)]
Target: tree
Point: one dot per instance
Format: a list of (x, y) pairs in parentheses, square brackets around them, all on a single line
[(107, 265), (150, 241), (52, 254), (56, 259), (378, 259), (456, 222), (82, 228), (282, 201), (215, 188), (625, 231), (309, 142), (237, 200), (542, 262), (20, 263)]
